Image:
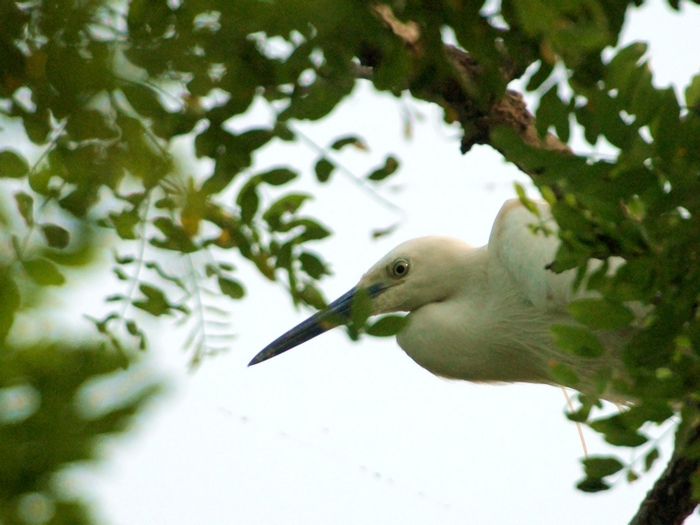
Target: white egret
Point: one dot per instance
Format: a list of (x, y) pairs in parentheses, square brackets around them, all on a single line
[(479, 314)]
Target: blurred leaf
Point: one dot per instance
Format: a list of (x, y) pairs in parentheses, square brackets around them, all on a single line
[(311, 296), (249, 201), (650, 458), (692, 93), (12, 165), (278, 176), (350, 140), (592, 485), (390, 166), (176, 238), (156, 302), (600, 467), (563, 374), (55, 236), (577, 340), (9, 303), (387, 326), (287, 204), (600, 314), (43, 272), (324, 168), (25, 206), (616, 432), (125, 222), (312, 265), (553, 112), (361, 308), (542, 73), (232, 288)]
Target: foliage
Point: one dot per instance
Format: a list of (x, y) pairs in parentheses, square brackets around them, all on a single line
[(56, 402), (104, 87)]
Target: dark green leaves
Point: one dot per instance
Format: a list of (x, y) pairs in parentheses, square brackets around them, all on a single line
[(390, 166), (231, 287), (692, 93), (553, 112), (12, 165), (43, 272), (56, 236), (348, 141), (596, 469), (25, 206), (278, 176), (323, 169), (155, 302), (9, 302), (387, 326), (577, 340), (600, 314)]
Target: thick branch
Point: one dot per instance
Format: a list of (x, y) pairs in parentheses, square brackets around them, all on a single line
[(670, 501)]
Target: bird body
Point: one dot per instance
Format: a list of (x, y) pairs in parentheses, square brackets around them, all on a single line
[(479, 314)]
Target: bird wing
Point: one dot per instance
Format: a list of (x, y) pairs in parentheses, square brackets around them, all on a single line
[(524, 255)]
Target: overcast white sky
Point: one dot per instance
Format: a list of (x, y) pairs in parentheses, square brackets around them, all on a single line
[(340, 433)]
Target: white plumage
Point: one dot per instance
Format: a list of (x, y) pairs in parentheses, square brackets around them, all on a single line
[(479, 314)]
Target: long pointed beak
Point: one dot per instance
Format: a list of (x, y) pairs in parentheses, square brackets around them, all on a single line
[(337, 313)]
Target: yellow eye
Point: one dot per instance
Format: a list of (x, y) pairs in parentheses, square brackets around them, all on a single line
[(399, 268)]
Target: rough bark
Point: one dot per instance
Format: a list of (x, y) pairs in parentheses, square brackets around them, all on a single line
[(670, 500)]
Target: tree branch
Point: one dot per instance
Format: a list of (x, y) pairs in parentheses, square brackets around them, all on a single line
[(670, 501)]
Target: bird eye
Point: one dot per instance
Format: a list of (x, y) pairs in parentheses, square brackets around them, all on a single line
[(399, 268)]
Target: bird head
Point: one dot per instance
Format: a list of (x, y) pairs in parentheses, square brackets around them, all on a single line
[(415, 273)]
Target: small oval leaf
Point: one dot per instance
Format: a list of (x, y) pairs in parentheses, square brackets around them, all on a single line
[(324, 168), (44, 272), (232, 288), (55, 236)]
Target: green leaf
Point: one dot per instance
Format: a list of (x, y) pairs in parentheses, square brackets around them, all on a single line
[(540, 76), (278, 176), (387, 326), (650, 458), (176, 237), (553, 112), (563, 374), (390, 166), (55, 236), (324, 168), (592, 485), (350, 140), (692, 93), (361, 308), (577, 340), (599, 467), (12, 165), (156, 302), (9, 303), (600, 314), (617, 433), (311, 296), (312, 265), (25, 206), (43, 272), (287, 204), (232, 288), (124, 223), (249, 201)]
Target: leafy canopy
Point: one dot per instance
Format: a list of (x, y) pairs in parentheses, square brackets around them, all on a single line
[(103, 88)]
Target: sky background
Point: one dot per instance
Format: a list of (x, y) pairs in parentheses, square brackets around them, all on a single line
[(356, 433)]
